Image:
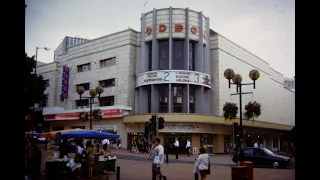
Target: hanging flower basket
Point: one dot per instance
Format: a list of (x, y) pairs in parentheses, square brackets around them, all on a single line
[(252, 110), (83, 116), (230, 110), (97, 114)]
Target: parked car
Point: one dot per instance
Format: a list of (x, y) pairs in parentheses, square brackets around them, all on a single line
[(262, 157)]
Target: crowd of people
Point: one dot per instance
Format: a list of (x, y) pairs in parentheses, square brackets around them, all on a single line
[(84, 152)]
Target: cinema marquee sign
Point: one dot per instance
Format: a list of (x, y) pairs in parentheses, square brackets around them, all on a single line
[(173, 76)]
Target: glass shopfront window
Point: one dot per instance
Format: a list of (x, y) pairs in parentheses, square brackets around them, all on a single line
[(207, 141), (169, 139)]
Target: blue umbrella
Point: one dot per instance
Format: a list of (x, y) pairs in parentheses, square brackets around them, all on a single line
[(88, 134)]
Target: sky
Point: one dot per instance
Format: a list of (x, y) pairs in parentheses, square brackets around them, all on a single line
[(266, 28)]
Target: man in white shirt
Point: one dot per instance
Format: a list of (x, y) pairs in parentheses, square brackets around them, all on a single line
[(188, 145), (176, 147), (256, 145), (158, 158), (105, 144)]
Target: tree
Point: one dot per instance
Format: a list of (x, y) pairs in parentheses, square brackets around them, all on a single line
[(34, 86)]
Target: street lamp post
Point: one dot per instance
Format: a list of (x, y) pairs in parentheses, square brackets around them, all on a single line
[(36, 64), (93, 93), (237, 79), (37, 48)]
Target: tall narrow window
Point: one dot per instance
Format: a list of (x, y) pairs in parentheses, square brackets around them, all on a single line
[(163, 98), (177, 99), (191, 56), (149, 99), (177, 62), (150, 56), (163, 55), (192, 99)]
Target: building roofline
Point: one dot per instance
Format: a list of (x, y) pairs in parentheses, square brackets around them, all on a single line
[(112, 34)]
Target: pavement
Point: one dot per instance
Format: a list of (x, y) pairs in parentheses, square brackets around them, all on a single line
[(139, 170)]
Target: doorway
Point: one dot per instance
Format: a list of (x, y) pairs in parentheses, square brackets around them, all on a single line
[(207, 141), (169, 139)]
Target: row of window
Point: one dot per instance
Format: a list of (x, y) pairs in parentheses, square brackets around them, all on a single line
[(103, 101), (103, 83), (177, 98), (103, 63), (177, 62)]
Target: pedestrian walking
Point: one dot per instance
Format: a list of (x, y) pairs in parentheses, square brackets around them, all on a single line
[(256, 145), (188, 145), (157, 154), (203, 162), (176, 147)]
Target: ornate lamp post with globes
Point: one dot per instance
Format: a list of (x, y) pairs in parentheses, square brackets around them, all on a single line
[(237, 80), (93, 93)]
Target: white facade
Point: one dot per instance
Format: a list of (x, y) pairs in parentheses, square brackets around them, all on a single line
[(278, 103), (121, 46)]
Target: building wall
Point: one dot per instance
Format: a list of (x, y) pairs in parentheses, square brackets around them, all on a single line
[(122, 46), (278, 103), (49, 72)]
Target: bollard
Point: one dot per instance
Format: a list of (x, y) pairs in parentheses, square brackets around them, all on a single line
[(118, 173), (167, 156), (196, 176)]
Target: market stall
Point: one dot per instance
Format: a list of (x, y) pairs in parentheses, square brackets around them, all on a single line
[(57, 168), (52, 134)]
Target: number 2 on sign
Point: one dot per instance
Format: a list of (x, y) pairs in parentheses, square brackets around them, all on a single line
[(196, 77), (166, 74)]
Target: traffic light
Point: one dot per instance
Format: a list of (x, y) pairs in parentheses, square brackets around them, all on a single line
[(146, 128), (153, 124), (161, 123)]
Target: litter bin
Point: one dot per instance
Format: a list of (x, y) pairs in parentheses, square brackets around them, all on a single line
[(249, 170), (238, 172)]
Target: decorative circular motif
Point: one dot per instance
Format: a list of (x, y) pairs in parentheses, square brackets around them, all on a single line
[(148, 31), (194, 30)]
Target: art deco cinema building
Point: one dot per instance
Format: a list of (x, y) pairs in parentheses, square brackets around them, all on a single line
[(172, 68), (174, 63)]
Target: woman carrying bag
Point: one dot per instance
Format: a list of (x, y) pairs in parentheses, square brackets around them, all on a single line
[(203, 163)]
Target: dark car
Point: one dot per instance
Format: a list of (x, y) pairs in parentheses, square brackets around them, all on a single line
[(262, 157)]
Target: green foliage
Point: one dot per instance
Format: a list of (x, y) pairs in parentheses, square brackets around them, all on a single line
[(97, 114), (253, 110), (34, 86), (84, 116), (230, 110)]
